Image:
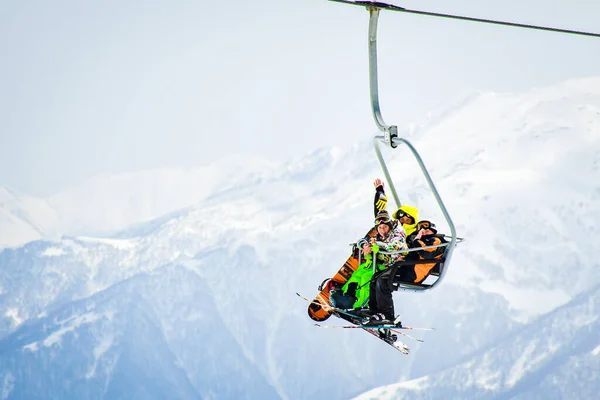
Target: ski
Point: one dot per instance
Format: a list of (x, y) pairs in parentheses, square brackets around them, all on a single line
[(340, 311), (390, 327), (310, 301), (330, 307), (397, 344), (408, 328)]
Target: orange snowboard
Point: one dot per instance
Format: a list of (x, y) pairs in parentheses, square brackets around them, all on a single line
[(318, 309)]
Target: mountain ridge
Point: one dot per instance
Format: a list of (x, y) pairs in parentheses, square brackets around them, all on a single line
[(254, 242)]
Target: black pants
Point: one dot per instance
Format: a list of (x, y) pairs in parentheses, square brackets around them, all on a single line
[(381, 290), (406, 273)]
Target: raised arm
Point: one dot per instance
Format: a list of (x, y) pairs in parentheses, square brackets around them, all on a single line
[(380, 201)]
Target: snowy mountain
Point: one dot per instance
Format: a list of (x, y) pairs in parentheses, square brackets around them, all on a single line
[(209, 290), (537, 175), (556, 357), (106, 204), (115, 345)]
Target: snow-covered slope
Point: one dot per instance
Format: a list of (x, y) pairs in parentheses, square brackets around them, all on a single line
[(154, 336), (518, 174), (555, 357), (24, 218)]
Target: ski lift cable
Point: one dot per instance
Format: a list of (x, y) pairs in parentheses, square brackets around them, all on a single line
[(386, 6)]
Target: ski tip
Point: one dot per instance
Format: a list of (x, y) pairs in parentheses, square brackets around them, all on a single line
[(410, 328)]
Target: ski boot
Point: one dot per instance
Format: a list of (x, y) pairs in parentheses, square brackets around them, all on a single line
[(387, 335), (397, 322), (376, 319)]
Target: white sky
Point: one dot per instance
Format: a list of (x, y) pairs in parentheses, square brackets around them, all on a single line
[(88, 88)]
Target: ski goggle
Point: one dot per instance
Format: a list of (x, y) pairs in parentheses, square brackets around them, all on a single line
[(425, 225), (401, 214), (361, 243), (382, 220)]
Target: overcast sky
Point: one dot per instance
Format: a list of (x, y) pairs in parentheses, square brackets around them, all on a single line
[(89, 88)]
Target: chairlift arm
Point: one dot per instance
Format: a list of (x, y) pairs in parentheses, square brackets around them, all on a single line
[(386, 173), (432, 187), (373, 79), (425, 172)]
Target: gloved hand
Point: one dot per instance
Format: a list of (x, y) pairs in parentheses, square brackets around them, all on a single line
[(381, 202)]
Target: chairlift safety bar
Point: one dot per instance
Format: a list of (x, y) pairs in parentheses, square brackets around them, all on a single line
[(404, 251)]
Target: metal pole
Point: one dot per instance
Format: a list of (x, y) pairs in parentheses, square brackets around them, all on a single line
[(374, 16), (389, 131), (386, 173)]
